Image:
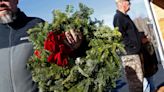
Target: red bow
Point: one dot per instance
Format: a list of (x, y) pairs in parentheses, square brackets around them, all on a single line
[(59, 51)]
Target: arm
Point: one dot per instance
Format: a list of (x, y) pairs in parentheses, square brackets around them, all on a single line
[(119, 22)]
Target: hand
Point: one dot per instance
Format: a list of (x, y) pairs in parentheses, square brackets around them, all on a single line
[(74, 39), (145, 39)]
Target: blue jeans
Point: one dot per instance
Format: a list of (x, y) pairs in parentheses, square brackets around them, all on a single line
[(148, 85)]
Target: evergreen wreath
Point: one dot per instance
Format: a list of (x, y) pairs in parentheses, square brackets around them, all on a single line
[(56, 68)]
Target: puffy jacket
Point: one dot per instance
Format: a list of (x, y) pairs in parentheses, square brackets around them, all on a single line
[(15, 50)]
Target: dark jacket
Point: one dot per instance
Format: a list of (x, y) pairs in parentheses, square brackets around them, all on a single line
[(15, 50), (131, 38)]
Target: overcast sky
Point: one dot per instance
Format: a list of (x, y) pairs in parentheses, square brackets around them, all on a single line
[(103, 9)]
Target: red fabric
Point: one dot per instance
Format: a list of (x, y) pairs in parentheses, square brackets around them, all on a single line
[(37, 53), (51, 42), (59, 51)]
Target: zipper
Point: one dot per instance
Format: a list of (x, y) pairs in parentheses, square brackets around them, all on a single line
[(11, 60)]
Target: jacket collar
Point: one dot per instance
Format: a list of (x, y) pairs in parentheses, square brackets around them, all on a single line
[(19, 20), (120, 13)]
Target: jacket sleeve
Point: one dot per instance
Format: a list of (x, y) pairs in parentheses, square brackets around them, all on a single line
[(119, 22)]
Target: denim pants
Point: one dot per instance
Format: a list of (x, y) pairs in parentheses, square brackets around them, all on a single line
[(148, 84)]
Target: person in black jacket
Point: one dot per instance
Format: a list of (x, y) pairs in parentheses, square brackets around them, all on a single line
[(131, 38), (132, 42), (15, 49)]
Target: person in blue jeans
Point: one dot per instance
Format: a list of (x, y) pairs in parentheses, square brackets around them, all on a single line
[(150, 62)]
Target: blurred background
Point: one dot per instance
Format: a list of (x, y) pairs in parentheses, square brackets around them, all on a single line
[(103, 10)]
